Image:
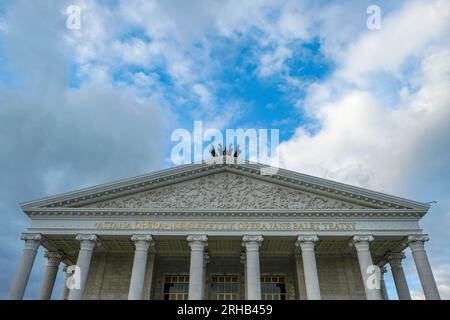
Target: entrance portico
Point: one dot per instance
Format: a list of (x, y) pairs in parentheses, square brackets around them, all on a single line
[(223, 231)]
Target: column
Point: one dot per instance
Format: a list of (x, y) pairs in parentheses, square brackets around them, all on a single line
[(384, 293), (196, 276), (87, 245), (417, 244), (32, 243), (253, 280), (53, 260), (361, 243), (307, 244), (142, 244), (65, 290), (206, 260), (148, 282), (302, 295), (242, 259), (395, 261)]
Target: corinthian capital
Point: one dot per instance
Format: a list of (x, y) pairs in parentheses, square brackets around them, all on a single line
[(32, 240), (361, 242), (54, 257), (87, 241), (206, 258), (31, 236), (252, 242), (197, 237), (86, 237), (416, 242), (252, 238), (197, 241), (142, 241), (242, 257), (306, 242), (395, 258)]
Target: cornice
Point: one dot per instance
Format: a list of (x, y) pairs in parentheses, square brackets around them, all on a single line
[(283, 177), (35, 213)]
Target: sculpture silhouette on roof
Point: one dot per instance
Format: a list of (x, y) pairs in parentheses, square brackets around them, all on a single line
[(224, 151)]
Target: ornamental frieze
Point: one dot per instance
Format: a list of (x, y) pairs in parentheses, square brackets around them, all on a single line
[(226, 191)]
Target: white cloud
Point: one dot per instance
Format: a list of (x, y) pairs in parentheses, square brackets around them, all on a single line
[(204, 95), (356, 127), (293, 25), (356, 134), (403, 34), (360, 135), (442, 275), (273, 62), (136, 52), (142, 80), (55, 138)]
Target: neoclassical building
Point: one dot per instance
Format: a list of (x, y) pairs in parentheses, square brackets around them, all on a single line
[(225, 231)]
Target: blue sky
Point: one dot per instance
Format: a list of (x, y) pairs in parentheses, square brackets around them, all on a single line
[(365, 107)]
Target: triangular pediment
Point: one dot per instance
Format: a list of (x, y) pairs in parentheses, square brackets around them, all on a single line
[(226, 190), (225, 186)]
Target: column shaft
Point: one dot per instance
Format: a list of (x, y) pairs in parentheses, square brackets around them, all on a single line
[(395, 261), (148, 282), (87, 245), (142, 244), (54, 259), (65, 289), (306, 244), (430, 290), (196, 276), (384, 293), (253, 281), (243, 258), (361, 244), (302, 295), (32, 243)]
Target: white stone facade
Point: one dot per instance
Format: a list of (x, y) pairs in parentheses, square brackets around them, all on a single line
[(339, 276), (223, 230)]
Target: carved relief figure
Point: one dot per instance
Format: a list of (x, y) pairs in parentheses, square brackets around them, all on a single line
[(226, 191)]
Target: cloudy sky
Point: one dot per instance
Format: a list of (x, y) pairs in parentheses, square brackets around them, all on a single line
[(79, 107)]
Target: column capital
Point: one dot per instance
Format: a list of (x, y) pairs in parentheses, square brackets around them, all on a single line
[(361, 242), (206, 258), (252, 238), (197, 237), (142, 241), (31, 236), (307, 238), (197, 241), (306, 242), (54, 258), (395, 258), (87, 241), (32, 240), (242, 257), (383, 270), (142, 237), (416, 242), (252, 242)]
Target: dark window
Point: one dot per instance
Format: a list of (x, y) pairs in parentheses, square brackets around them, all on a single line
[(176, 287), (273, 288), (225, 288)]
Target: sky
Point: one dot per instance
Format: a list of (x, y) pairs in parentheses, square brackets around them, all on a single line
[(84, 106)]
